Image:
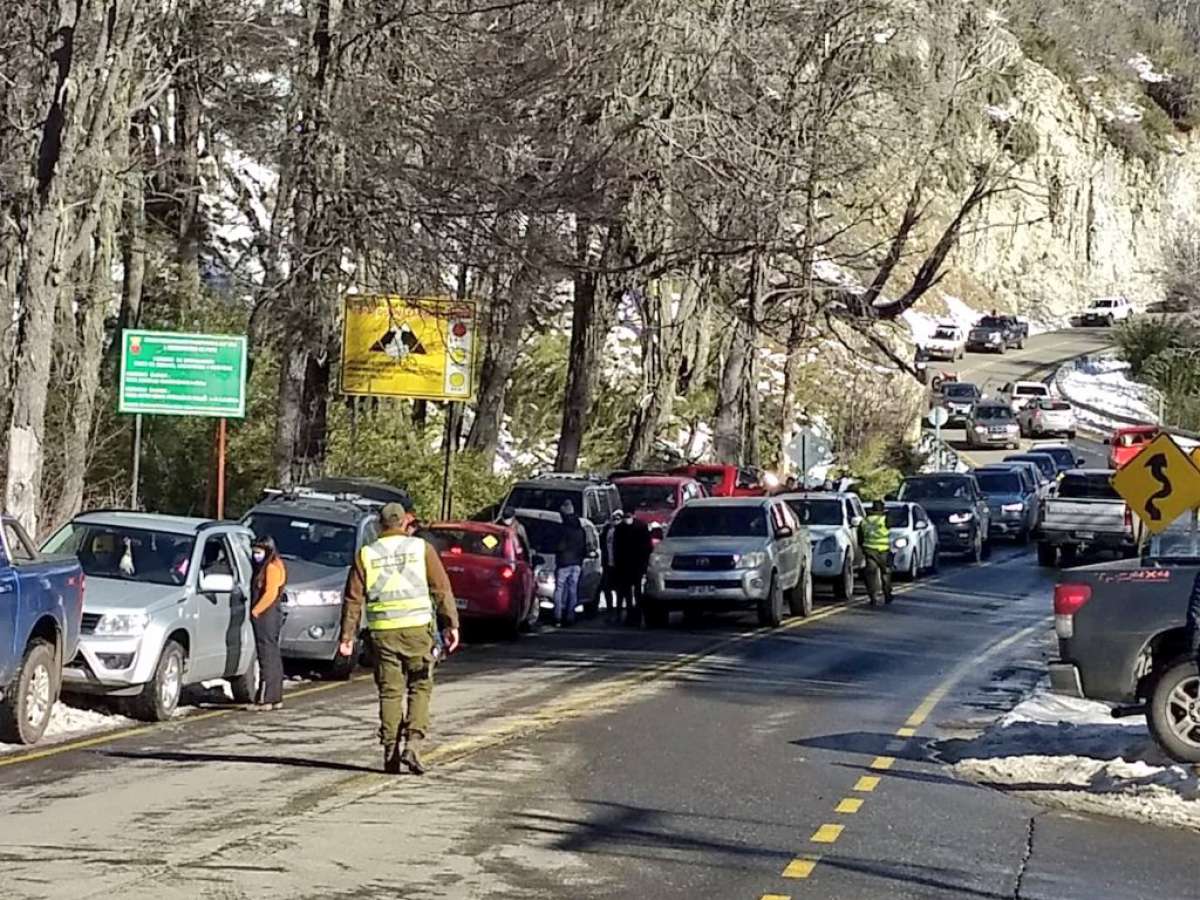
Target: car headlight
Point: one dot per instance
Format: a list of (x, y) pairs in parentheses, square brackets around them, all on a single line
[(751, 560), (659, 561), (1013, 428), (315, 598), (900, 543), (960, 518), (126, 624), (1013, 507), (827, 544)]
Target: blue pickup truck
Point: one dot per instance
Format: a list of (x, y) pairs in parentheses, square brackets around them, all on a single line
[(41, 607)]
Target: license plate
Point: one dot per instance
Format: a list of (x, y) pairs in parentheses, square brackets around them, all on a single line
[(701, 589), (1085, 535), (460, 602)]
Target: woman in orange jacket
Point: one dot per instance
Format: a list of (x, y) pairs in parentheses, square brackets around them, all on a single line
[(266, 617)]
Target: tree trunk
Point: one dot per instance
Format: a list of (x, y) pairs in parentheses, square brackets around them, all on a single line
[(290, 424), (581, 370), (497, 369), (133, 244), (187, 134), (727, 420)]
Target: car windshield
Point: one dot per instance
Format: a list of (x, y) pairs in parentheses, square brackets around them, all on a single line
[(455, 541), (897, 517), (1045, 463), (1104, 304), (993, 412), (527, 496), (945, 334), (329, 544), (1032, 390), (948, 488), (818, 512), (999, 482), (1054, 405), (1064, 457), (1087, 486), (543, 534), (126, 554), (636, 497), (992, 322), (960, 391), (1133, 438), (719, 521)]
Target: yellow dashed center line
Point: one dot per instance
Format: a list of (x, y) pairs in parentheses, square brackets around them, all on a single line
[(906, 732), (883, 763), (849, 805), (867, 783), (801, 867), (827, 834), (776, 897)]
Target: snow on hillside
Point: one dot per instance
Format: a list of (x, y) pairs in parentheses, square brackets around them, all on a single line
[(1104, 384)]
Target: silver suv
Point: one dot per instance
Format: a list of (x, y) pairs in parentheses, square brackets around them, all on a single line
[(731, 553), (166, 606)]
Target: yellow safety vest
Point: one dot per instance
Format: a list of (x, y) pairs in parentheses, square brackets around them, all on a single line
[(397, 583), (876, 535)]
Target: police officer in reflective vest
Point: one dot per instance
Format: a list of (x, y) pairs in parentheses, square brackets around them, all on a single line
[(877, 545), (406, 593)]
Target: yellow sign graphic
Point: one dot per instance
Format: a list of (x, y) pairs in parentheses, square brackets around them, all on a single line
[(1160, 484), (420, 347)]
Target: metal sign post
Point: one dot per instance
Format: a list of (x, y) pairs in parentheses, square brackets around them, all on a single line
[(939, 416), (448, 463), (221, 468), (135, 481)]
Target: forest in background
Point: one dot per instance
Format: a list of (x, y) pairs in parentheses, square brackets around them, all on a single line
[(690, 224)]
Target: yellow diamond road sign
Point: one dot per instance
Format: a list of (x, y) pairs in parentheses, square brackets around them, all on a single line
[(1160, 484)]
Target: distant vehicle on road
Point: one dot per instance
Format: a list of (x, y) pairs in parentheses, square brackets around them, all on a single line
[(544, 529), (318, 536), (991, 424), (956, 506), (948, 342), (1126, 443), (1019, 394), (731, 554), (1013, 502), (725, 480), (1107, 311), (491, 573), (1064, 455), (1122, 639), (166, 606), (1086, 513), (1047, 417), (654, 499), (997, 334), (914, 540), (832, 520), (1045, 463), (959, 399), (40, 618)]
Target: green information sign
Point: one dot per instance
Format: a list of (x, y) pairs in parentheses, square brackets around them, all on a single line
[(170, 374)]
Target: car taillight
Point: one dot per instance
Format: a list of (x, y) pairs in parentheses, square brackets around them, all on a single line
[(1068, 600), (507, 573), (456, 551)]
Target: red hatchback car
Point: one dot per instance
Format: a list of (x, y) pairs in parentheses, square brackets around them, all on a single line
[(654, 499), (490, 572)]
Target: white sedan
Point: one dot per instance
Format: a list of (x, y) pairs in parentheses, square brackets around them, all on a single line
[(1047, 417), (914, 540)]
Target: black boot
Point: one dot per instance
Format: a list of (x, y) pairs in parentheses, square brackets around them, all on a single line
[(411, 758), (393, 760)]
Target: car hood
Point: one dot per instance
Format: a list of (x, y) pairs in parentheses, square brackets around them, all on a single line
[(652, 517), (114, 594), (817, 532), (676, 546), (302, 575), (1001, 499), (985, 330)]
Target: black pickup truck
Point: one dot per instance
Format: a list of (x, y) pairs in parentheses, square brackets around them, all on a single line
[(996, 334), (1122, 638)]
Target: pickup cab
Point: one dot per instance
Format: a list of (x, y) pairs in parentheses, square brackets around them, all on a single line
[(997, 334), (41, 604), (722, 480), (1085, 513), (1126, 443), (1122, 639)]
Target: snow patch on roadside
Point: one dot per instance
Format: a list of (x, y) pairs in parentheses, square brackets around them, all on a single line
[(1072, 754), (1104, 383), (68, 721)]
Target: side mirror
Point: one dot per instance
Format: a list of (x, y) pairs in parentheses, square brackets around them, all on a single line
[(1080, 462), (855, 521), (784, 531), (216, 583)]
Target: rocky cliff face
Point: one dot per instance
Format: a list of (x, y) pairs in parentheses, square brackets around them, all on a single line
[(1084, 218)]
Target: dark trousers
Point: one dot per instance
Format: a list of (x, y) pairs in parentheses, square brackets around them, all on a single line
[(629, 596), (879, 573), (270, 662)]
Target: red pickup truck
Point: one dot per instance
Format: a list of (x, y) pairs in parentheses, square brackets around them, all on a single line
[(1126, 443), (721, 480)]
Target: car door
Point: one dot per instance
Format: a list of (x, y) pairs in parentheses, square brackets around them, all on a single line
[(218, 628), (523, 569), (241, 541), (926, 536), (854, 514), (10, 600), (789, 547)]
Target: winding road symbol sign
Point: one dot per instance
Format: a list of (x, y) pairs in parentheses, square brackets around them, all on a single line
[(1160, 484)]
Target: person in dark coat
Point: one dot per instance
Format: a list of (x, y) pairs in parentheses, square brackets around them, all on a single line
[(608, 537), (631, 551), (568, 566)]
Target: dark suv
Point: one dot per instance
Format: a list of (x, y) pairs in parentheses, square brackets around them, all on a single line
[(594, 498), (957, 507)]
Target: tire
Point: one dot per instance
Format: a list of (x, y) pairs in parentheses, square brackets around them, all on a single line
[(1173, 713), (656, 615), (245, 687), (934, 563), (843, 588), (770, 608), (29, 697), (1047, 555), (160, 695), (1070, 435), (800, 598), (1109, 321), (342, 667)]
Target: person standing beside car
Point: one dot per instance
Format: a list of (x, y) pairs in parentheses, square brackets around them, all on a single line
[(876, 540), (568, 566), (266, 619), (608, 559), (632, 547), (400, 582)]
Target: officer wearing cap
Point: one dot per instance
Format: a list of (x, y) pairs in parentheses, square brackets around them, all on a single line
[(401, 583)]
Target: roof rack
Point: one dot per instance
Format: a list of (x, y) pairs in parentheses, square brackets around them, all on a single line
[(572, 476), (302, 493)]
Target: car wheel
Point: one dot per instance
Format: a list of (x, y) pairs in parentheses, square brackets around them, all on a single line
[(245, 687), (29, 697), (656, 615), (1047, 554), (770, 607), (1071, 435), (1174, 711), (800, 598), (1109, 321), (1067, 556), (160, 695), (843, 588)]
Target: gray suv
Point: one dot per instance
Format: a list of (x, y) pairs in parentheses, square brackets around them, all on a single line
[(731, 553), (595, 498), (166, 606)]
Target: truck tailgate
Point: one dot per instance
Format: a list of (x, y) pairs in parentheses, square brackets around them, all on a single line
[(1083, 516)]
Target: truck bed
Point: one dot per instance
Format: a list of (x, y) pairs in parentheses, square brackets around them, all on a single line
[(1085, 521)]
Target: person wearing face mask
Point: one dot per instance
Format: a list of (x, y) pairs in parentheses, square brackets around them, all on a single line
[(266, 618), (632, 545)]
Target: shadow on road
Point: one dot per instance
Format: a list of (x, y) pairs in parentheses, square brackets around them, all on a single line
[(178, 756)]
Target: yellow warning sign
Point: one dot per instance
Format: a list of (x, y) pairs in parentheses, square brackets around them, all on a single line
[(489, 541), (420, 347), (1160, 484)]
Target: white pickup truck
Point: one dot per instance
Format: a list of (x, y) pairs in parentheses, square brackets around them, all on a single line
[(1085, 513)]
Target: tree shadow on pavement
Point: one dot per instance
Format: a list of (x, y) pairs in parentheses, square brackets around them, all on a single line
[(866, 743), (905, 877), (264, 760)]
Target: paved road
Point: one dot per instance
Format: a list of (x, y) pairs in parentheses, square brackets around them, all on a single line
[(714, 762)]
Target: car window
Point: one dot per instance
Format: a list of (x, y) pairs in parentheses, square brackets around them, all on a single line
[(242, 542), (370, 531), (897, 517), (951, 487), (818, 512), (330, 544), (19, 551), (999, 482), (457, 541), (747, 478), (945, 334), (528, 496), (126, 554), (919, 516), (1033, 390), (996, 413), (216, 557), (636, 497), (592, 537), (543, 533), (1087, 486)]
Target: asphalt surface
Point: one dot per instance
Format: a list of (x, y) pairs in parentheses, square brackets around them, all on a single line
[(721, 761)]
